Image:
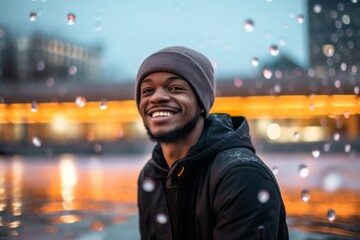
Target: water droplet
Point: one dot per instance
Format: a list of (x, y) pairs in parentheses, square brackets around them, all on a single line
[(255, 62), (303, 170), (305, 195), (277, 88), (263, 196), (238, 82), (282, 41), (331, 215), (336, 137), (341, 6), (332, 181), (267, 73), (40, 66), (103, 105), (347, 148), (278, 74), (300, 19), (36, 141), (34, 106), (328, 50), (315, 153), (343, 66), (346, 19), (346, 114), (72, 70), (356, 90), (249, 25), (291, 14), (354, 1), (354, 69), (50, 81), (80, 101), (337, 84), (214, 64), (274, 50), (296, 135), (327, 147), (71, 19), (148, 185), (33, 16), (275, 170), (311, 106), (161, 218), (97, 147), (317, 8)]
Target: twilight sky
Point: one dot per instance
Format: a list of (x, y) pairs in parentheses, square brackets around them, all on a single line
[(130, 30)]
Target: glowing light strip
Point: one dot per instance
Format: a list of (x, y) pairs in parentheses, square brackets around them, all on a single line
[(275, 107)]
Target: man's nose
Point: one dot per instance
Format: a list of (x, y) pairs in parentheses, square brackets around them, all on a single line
[(160, 95)]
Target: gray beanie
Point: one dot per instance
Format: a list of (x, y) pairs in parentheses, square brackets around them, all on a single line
[(189, 64)]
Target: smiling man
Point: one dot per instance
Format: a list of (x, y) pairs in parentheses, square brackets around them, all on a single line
[(204, 180)]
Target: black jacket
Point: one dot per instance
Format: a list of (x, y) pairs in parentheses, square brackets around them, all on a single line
[(220, 190)]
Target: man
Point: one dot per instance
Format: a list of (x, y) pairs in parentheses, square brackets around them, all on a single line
[(203, 180)]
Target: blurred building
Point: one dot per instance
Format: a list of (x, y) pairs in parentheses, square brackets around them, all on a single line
[(39, 58), (334, 39)]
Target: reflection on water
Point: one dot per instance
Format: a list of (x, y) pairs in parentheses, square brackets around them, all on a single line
[(94, 197)]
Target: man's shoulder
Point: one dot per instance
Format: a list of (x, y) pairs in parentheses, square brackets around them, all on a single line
[(235, 158)]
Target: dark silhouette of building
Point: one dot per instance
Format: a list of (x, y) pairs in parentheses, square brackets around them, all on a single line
[(40, 58), (334, 38)]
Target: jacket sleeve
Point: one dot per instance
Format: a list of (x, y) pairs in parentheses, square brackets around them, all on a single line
[(247, 204), (144, 216)]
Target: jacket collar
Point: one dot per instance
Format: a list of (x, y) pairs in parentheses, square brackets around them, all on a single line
[(221, 132)]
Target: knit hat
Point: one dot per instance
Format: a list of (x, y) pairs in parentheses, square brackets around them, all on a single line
[(189, 64)]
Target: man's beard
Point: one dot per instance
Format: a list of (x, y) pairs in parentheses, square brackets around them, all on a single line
[(176, 134)]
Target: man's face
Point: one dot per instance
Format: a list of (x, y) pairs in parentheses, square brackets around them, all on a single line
[(168, 106)]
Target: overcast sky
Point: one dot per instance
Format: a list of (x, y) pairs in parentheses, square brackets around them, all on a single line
[(130, 30)]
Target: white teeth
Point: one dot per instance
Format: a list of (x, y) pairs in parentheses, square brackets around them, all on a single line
[(161, 114)]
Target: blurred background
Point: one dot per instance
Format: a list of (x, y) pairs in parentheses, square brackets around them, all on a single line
[(72, 142)]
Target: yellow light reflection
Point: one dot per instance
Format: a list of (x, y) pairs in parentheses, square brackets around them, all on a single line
[(17, 174), (2, 187), (68, 180)]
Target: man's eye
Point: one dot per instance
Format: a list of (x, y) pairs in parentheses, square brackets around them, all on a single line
[(175, 88), (146, 91)]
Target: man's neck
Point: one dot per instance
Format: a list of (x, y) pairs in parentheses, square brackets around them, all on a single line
[(177, 150)]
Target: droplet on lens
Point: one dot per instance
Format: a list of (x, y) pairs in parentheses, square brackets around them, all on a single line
[(161, 218), (274, 50), (315, 153), (300, 19), (80, 101), (71, 19), (331, 215), (249, 25), (34, 106), (336, 137), (347, 148), (255, 62), (238, 82), (305, 195), (33, 16), (303, 170), (267, 73), (263, 196), (148, 185), (317, 8), (296, 135), (36, 141), (103, 105), (275, 170)]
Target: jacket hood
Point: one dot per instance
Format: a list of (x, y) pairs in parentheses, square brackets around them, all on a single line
[(221, 132)]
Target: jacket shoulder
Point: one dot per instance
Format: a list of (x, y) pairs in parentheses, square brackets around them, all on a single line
[(236, 157)]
